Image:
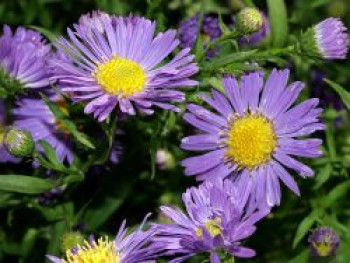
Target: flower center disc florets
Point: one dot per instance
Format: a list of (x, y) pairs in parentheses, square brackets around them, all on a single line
[(121, 76), (102, 251), (251, 140), (213, 226)]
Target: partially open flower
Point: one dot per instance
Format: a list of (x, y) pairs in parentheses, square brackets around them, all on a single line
[(324, 242), (328, 40)]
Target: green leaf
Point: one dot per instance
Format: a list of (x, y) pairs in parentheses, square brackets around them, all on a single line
[(338, 192), (24, 184), (304, 227), (323, 175), (303, 257), (68, 124), (344, 94), (278, 21), (51, 155)]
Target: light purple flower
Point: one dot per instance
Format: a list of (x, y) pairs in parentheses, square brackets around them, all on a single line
[(332, 39), (115, 62), (217, 219), (253, 135), (23, 56), (324, 242), (210, 30), (33, 115), (125, 248)]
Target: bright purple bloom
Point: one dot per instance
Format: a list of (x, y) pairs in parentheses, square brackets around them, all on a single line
[(4, 155), (257, 37), (217, 219), (125, 248), (23, 56), (33, 115), (253, 134), (115, 61), (210, 30), (332, 38), (324, 242)]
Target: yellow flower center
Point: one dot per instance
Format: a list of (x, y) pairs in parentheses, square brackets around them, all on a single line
[(102, 251), (251, 141), (213, 226), (324, 248), (121, 76)]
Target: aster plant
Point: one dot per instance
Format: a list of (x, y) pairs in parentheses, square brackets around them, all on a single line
[(115, 62), (24, 56), (217, 219), (252, 135)]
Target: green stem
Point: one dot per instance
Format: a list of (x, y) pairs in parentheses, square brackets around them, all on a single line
[(276, 52)]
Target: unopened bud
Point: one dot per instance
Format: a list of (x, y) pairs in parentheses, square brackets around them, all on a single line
[(164, 159), (18, 142), (249, 20)]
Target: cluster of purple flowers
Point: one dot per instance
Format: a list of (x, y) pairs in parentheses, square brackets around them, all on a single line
[(249, 141)]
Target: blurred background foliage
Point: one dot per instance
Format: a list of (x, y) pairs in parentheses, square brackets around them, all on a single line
[(30, 229)]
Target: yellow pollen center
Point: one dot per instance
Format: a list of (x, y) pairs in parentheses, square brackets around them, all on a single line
[(102, 251), (251, 141), (213, 226), (324, 248), (121, 76)]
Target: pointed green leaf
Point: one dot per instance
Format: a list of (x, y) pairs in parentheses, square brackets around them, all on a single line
[(24, 184), (279, 23), (304, 227), (323, 175), (344, 94)]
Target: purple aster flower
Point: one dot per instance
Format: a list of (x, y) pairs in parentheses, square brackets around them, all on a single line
[(252, 135), (257, 37), (120, 66), (4, 155), (33, 115), (328, 39), (216, 220), (23, 58), (210, 30), (324, 242), (135, 247)]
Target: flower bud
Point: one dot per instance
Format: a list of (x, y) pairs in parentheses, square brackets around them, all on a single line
[(164, 159), (249, 20), (18, 142), (324, 242), (71, 240), (328, 40)]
